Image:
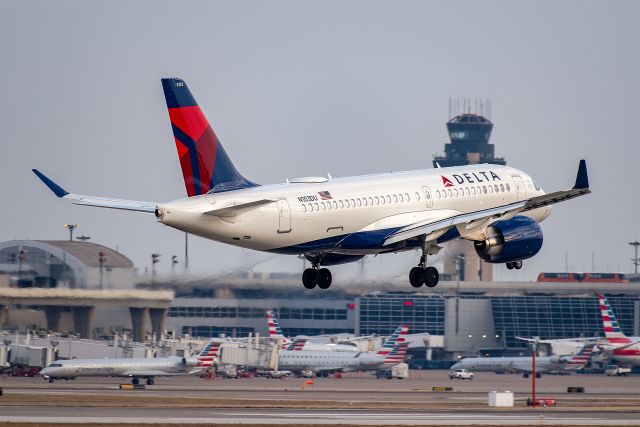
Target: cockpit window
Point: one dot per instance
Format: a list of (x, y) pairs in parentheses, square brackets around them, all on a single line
[(536, 186)]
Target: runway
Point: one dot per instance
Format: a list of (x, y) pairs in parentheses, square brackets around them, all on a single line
[(297, 417), (356, 399)]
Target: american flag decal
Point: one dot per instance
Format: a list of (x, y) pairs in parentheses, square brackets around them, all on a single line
[(325, 195)]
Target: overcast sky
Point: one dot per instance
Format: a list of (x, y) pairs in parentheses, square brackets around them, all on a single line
[(298, 88)]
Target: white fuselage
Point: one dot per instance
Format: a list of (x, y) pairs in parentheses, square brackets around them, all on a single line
[(300, 220), (510, 364), (118, 367), (344, 361)]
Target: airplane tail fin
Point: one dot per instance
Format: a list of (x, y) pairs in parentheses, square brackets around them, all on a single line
[(209, 353), (612, 331), (296, 345), (205, 164), (275, 331), (396, 339), (582, 357)]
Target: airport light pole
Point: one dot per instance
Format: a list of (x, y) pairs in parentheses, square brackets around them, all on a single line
[(635, 260), (101, 260), (186, 251), (534, 348), (71, 227), (459, 261), (155, 258)]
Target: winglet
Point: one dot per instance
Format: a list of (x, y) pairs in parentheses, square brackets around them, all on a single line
[(57, 190), (582, 179)]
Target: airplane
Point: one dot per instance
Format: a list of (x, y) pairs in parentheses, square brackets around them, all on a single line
[(524, 364), (300, 343), (334, 221), (620, 347), (324, 362), (134, 368)]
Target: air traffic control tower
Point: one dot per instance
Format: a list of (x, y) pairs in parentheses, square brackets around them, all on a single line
[(469, 134)]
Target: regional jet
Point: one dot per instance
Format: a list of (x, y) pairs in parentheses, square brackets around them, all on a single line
[(323, 362), (334, 221), (525, 364)]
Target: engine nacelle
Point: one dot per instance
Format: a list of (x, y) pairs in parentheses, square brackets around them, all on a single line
[(514, 239)]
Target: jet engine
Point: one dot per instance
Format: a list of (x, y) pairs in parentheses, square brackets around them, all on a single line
[(511, 240)]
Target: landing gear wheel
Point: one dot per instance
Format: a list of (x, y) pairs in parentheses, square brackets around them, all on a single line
[(150, 381), (517, 264), (135, 381), (415, 277), (431, 277), (323, 278), (309, 278), (51, 380), (510, 265)]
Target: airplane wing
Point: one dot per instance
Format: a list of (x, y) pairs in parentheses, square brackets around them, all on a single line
[(149, 373), (102, 202), (433, 229)]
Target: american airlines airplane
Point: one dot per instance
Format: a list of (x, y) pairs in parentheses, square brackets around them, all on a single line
[(621, 347), (525, 364), (300, 343), (340, 220), (134, 368), (320, 362)]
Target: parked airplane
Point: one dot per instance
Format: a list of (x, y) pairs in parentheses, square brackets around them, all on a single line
[(621, 347), (525, 364), (339, 220), (300, 343), (346, 361), (134, 368)]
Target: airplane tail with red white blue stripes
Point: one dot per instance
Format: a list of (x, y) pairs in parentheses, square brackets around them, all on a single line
[(612, 331), (395, 347)]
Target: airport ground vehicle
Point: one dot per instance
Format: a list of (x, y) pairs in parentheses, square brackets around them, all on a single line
[(616, 371), (460, 374), (333, 221)]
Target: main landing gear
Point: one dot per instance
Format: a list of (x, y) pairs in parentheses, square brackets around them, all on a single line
[(423, 275), (515, 264), (316, 276)]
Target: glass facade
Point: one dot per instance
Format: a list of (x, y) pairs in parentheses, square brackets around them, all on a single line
[(382, 314), (258, 313), (215, 331), (551, 317)]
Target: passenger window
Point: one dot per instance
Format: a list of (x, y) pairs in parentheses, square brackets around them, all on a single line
[(406, 197), (473, 190), (438, 194), (455, 192), (324, 206), (395, 198), (377, 200), (444, 194), (353, 203), (329, 205), (335, 204), (388, 199), (341, 204), (418, 196), (490, 189), (364, 201), (346, 202), (304, 208), (466, 190), (479, 190), (370, 201), (495, 187), (449, 193), (316, 206), (400, 198), (501, 187), (484, 189), (359, 202), (507, 187)]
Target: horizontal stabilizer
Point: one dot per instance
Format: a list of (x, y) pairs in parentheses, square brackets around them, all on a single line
[(100, 202), (239, 208)]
